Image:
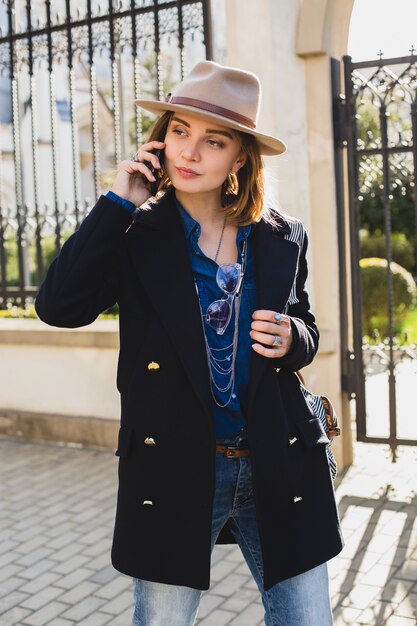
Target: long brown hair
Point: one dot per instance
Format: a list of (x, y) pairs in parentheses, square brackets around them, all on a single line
[(242, 194)]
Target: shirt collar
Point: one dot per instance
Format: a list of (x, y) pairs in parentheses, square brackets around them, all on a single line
[(191, 225)]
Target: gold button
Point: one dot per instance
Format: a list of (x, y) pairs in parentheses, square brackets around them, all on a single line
[(153, 366), (148, 502), (150, 441), (292, 441), (297, 499)]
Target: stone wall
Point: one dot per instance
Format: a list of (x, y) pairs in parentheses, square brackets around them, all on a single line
[(59, 384)]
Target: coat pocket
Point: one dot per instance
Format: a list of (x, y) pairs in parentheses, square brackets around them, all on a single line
[(312, 432), (124, 441)]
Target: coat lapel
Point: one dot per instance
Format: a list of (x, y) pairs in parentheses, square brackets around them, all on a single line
[(158, 249), (275, 266)]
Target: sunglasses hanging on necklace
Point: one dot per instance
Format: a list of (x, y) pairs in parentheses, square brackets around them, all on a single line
[(229, 278)]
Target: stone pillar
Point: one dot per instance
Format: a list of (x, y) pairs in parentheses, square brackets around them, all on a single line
[(322, 33)]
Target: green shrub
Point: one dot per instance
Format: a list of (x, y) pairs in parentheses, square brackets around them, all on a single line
[(410, 327), (374, 295), (18, 312), (12, 267), (375, 246), (12, 264)]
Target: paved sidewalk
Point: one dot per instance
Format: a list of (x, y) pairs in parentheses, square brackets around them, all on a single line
[(56, 517)]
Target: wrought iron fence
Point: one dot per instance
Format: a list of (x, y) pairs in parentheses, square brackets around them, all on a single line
[(377, 122), (69, 72)]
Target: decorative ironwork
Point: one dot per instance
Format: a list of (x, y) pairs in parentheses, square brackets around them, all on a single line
[(376, 356), (377, 122), (69, 72)]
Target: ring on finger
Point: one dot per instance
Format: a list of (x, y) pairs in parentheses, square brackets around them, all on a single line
[(277, 341), (277, 318), (135, 158)]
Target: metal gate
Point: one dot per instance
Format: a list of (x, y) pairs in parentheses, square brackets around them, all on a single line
[(375, 128), (69, 72)]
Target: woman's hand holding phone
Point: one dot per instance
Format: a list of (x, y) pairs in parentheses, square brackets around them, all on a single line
[(134, 178)]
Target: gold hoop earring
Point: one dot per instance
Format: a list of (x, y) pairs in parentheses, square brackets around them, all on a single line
[(233, 184)]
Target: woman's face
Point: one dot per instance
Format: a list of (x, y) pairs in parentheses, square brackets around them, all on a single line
[(199, 154)]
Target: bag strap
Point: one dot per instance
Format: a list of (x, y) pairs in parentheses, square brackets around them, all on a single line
[(333, 428), (301, 377)]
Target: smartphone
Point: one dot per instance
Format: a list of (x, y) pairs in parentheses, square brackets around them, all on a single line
[(155, 184)]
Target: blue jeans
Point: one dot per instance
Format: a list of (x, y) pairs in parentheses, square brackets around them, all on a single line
[(299, 601)]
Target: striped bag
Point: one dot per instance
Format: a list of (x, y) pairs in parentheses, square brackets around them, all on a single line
[(323, 409)]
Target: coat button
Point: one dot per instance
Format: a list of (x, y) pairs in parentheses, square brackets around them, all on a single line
[(153, 366), (147, 503), (150, 441), (292, 441), (297, 499)]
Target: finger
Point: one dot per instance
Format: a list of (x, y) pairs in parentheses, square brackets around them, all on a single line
[(136, 167), (267, 339), (269, 316), (282, 319), (263, 314), (149, 150), (143, 156), (152, 145), (270, 353), (272, 328)]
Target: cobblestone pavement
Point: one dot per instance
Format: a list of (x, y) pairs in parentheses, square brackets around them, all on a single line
[(56, 517)]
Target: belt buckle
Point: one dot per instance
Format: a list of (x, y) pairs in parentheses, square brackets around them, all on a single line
[(230, 451)]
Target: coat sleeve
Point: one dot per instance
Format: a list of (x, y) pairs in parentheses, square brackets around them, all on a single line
[(82, 281), (303, 324)]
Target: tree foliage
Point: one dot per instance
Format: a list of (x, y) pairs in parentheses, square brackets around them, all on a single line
[(374, 276), (401, 181)]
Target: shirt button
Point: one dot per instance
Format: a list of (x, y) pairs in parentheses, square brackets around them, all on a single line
[(233, 396)]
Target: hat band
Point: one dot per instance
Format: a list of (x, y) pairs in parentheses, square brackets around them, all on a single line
[(212, 108)]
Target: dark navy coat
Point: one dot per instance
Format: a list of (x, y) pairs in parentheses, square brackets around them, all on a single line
[(144, 266)]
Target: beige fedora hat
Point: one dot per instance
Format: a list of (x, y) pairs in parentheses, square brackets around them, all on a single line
[(227, 95)]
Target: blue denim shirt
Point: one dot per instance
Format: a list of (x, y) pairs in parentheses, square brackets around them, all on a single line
[(231, 419)]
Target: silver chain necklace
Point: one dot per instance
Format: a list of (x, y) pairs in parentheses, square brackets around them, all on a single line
[(216, 362), (220, 240)]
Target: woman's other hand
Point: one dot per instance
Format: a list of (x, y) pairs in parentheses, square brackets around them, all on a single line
[(273, 333), (134, 176)]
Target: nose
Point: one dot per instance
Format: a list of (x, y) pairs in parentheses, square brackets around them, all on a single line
[(190, 152)]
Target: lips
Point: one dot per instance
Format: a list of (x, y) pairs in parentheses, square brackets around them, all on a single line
[(184, 171)]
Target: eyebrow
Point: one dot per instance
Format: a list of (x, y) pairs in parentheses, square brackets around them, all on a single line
[(208, 130)]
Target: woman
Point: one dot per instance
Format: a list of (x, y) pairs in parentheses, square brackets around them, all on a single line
[(216, 443)]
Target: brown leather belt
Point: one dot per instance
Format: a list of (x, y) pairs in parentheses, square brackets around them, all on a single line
[(230, 452)]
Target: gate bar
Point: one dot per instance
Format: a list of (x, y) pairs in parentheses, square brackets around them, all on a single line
[(353, 190)]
